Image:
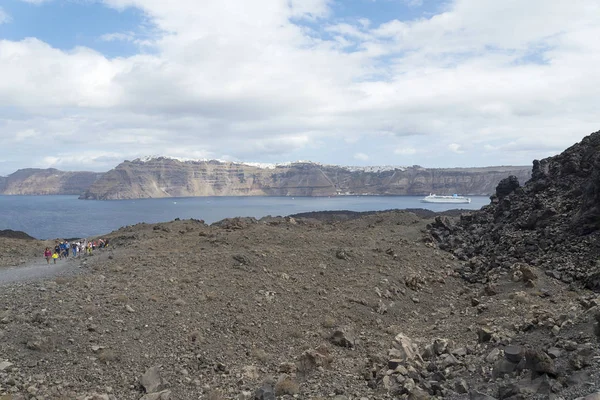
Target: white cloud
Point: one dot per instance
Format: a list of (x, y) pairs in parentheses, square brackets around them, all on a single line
[(361, 157), (455, 148), (118, 36), (246, 79), (405, 151), (4, 17)]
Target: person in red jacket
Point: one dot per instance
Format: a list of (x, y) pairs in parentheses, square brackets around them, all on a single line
[(47, 255)]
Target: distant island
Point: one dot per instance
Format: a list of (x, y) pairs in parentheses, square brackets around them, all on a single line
[(161, 177)]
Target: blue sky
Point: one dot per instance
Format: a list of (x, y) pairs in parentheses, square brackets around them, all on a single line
[(66, 24), (355, 82)]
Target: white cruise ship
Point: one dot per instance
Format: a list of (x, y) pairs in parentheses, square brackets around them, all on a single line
[(454, 199)]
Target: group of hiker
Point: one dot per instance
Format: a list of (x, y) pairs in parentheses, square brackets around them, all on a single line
[(66, 249)]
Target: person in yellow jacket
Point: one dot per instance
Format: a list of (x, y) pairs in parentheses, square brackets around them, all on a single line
[(55, 256)]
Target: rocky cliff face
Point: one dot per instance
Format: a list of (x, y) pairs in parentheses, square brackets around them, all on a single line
[(164, 177), (34, 181), (553, 221)]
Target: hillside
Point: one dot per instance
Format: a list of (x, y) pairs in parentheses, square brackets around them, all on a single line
[(34, 181), (553, 221), (165, 177)]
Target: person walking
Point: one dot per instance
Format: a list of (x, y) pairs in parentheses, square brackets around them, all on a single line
[(62, 247), (55, 256), (47, 255)]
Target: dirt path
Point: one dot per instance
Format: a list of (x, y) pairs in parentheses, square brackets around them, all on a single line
[(37, 269)]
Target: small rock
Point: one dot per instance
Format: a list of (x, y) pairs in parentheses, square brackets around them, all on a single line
[(151, 381), (343, 337), (484, 334), (163, 395), (129, 308), (461, 386), (5, 366), (404, 349), (493, 356), (554, 352), (460, 352), (540, 362), (449, 361), (286, 385), (440, 346), (513, 353), (265, 392), (96, 349), (503, 367)]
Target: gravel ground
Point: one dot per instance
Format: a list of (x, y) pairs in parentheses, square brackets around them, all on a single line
[(343, 308)]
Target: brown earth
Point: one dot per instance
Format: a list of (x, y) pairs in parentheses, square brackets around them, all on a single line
[(222, 309)]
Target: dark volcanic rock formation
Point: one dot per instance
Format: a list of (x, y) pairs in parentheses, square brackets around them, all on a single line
[(164, 177), (34, 181), (553, 221), (9, 233)]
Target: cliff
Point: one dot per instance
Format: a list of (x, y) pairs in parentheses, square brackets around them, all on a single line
[(33, 181), (165, 177)]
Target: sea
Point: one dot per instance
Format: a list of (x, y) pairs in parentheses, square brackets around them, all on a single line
[(51, 217)]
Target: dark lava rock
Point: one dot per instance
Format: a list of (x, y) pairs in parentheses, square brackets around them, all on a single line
[(265, 392), (484, 335), (553, 219), (540, 363), (507, 186), (513, 353)]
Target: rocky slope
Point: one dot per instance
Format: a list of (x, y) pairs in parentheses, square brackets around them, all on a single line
[(164, 177), (33, 181), (553, 221), (343, 307)]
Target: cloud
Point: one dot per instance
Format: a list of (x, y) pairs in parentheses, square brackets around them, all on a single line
[(4, 17), (405, 151), (455, 148), (361, 157), (273, 80)]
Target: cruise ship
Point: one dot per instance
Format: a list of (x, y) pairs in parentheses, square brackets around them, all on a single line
[(454, 199)]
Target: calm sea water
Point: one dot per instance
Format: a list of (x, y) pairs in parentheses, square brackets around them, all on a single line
[(48, 217)]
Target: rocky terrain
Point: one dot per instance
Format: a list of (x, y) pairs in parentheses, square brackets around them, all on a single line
[(33, 181), (551, 222), (337, 306), (165, 177)]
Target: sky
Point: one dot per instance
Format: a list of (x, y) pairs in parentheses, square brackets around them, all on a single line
[(86, 84)]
